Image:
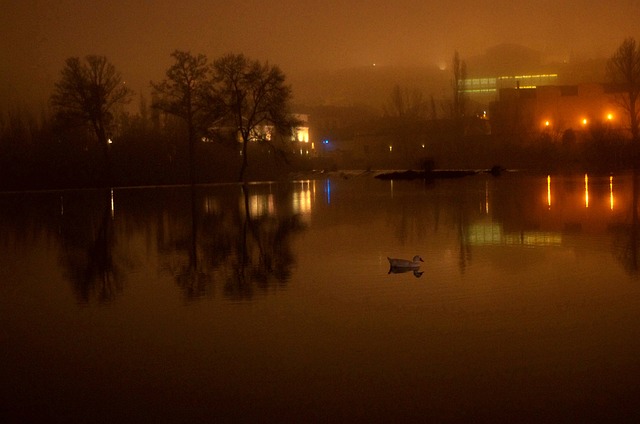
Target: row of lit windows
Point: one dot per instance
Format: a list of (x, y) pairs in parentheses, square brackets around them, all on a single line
[(531, 81), (472, 82), (539, 76)]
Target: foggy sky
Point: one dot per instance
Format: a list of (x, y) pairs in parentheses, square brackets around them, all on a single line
[(137, 36)]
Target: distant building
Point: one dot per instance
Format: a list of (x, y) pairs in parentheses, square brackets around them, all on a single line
[(557, 110), (299, 135), (490, 86)]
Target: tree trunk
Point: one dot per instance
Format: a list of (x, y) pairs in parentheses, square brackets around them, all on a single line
[(245, 162), (104, 144)]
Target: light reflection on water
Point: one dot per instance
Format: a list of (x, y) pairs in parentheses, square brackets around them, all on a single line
[(275, 302)]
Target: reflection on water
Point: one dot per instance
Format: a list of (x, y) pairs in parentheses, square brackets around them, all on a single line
[(241, 237), (235, 236), (275, 301), (87, 243)]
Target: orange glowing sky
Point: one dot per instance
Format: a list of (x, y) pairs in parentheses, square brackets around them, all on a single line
[(138, 36)]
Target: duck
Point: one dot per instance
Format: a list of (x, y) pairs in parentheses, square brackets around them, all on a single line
[(405, 263)]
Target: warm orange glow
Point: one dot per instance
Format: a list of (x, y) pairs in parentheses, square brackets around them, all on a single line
[(549, 191), (261, 205), (486, 197), (547, 123), (609, 116), (301, 201), (611, 191), (584, 121), (113, 206), (586, 191), (391, 148)]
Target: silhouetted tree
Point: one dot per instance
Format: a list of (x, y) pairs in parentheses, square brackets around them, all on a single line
[(184, 93), (405, 103), (405, 111), (623, 69), (88, 93), (458, 85), (251, 96)]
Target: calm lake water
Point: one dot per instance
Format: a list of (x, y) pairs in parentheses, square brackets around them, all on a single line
[(275, 304)]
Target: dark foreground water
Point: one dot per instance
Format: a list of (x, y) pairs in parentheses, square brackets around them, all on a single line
[(275, 303)]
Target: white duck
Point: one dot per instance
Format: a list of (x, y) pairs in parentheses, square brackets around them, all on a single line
[(405, 263)]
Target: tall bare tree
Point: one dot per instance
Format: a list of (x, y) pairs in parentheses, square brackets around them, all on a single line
[(623, 70), (458, 85), (403, 102), (185, 93), (87, 93), (251, 94)]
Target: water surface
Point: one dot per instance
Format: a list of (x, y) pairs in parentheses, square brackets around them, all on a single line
[(274, 303)]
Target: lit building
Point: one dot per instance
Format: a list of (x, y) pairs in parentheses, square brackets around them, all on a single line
[(490, 86), (556, 109), (299, 135)]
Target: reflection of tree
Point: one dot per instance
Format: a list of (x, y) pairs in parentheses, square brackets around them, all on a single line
[(231, 244), (87, 255), (626, 245), (263, 255), (179, 240), (193, 281), (433, 210), (465, 248)]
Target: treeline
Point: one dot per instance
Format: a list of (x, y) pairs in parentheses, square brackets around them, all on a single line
[(148, 147), (197, 130)]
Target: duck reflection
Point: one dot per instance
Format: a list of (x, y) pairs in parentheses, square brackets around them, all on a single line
[(397, 270)]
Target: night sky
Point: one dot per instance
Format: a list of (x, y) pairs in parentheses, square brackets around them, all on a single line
[(138, 36)]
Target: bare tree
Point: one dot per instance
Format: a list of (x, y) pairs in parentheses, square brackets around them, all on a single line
[(87, 93), (185, 93), (405, 103), (623, 70), (405, 113), (251, 95)]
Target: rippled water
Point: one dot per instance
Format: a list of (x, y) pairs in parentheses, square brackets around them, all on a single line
[(275, 303)]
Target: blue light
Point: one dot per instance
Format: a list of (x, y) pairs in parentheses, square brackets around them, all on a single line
[(325, 141), (327, 189)]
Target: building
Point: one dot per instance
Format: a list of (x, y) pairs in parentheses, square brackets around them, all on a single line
[(299, 135), (557, 110), (488, 87)]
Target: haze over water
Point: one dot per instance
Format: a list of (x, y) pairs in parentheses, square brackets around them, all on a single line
[(278, 305)]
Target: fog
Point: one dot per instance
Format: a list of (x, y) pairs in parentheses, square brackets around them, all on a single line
[(314, 42)]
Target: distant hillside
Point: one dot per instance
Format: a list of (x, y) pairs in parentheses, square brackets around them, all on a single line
[(366, 86), (371, 85)]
